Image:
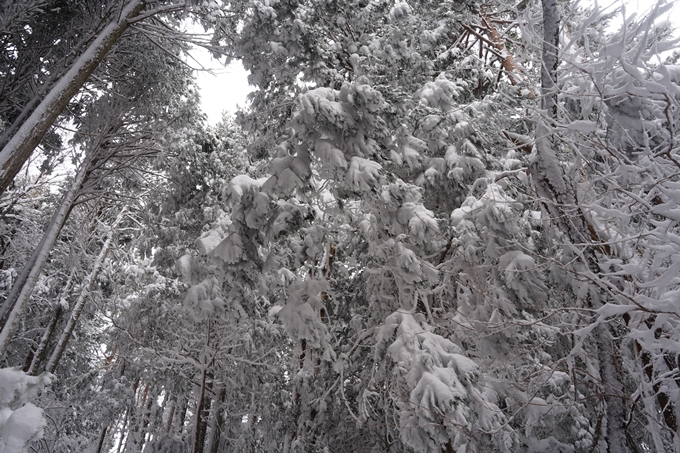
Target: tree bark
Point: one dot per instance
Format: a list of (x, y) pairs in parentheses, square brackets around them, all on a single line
[(171, 415), (183, 407), (135, 437), (39, 355), (28, 136), (549, 57)]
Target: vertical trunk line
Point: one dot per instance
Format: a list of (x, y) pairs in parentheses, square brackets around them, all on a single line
[(561, 203), (100, 441), (216, 421), (199, 413), (549, 57), (171, 416)]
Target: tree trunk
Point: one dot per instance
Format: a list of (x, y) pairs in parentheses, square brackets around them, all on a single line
[(213, 443), (100, 441), (171, 415), (560, 201), (22, 290), (135, 437), (199, 437), (27, 137), (147, 419), (80, 303), (122, 432), (203, 433), (39, 354), (183, 408)]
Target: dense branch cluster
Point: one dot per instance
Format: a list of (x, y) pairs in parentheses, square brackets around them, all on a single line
[(438, 226)]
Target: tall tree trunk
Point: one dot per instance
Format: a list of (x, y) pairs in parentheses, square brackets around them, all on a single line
[(21, 292), (39, 354), (147, 419), (27, 137), (123, 429), (203, 427), (171, 415), (198, 439), (549, 57), (100, 440), (183, 408), (82, 298), (36, 360), (213, 443), (560, 201), (135, 437)]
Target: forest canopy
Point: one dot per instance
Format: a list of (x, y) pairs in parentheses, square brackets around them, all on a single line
[(437, 226)]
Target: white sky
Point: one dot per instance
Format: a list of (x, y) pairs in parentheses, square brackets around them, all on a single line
[(221, 89)]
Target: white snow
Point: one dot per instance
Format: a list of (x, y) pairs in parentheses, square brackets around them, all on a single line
[(20, 421)]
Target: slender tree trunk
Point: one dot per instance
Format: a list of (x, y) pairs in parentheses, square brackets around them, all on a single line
[(183, 408), (203, 433), (22, 290), (213, 443), (549, 57), (85, 292), (147, 420), (198, 438), (135, 436), (123, 433), (171, 416), (561, 203), (39, 354), (100, 441), (27, 137)]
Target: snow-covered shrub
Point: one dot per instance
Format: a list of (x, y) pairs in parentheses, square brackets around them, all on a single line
[(21, 422)]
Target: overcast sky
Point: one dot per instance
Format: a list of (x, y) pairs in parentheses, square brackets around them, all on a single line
[(222, 90)]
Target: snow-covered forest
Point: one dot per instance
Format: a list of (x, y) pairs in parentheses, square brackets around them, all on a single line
[(439, 226)]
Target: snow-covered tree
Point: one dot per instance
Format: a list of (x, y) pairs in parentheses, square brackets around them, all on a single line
[(453, 229)]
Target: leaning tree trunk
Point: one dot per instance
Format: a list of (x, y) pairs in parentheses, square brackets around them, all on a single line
[(100, 440), (39, 354), (560, 201), (15, 304), (27, 137), (82, 298), (21, 292)]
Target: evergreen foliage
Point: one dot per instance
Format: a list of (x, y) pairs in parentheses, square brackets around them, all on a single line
[(438, 227)]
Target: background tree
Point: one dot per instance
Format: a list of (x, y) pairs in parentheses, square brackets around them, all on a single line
[(453, 230)]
